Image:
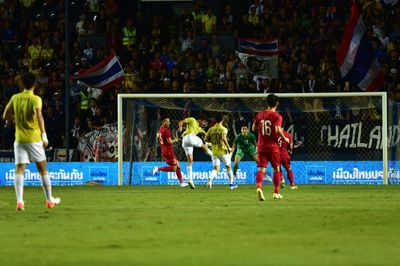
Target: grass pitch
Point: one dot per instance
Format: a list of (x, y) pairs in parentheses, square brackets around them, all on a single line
[(314, 225)]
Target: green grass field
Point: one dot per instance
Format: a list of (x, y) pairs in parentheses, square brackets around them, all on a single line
[(314, 225)]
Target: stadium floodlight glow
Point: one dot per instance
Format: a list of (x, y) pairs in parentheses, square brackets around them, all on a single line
[(328, 126)]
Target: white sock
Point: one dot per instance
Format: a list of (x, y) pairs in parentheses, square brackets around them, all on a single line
[(209, 152), (230, 175), (19, 187), (213, 174), (46, 184), (189, 173)]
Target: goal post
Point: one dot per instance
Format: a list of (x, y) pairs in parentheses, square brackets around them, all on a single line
[(327, 127)]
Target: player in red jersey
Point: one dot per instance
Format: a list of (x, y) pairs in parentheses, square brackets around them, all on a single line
[(268, 125), (166, 141), (285, 150)]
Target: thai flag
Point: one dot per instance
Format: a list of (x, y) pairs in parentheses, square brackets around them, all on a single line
[(104, 75), (356, 57), (260, 47)]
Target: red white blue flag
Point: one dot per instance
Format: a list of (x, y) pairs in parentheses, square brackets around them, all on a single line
[(104, 75), (260, 56), (356, 57)]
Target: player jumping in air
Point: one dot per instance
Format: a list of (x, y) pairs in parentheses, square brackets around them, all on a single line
[(245, 143), (217, 136), (165, 140), (285, 150), (30, 139), (190, 140), (268, 124)]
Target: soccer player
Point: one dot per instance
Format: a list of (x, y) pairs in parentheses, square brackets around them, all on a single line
[(285, 150), (190, 140), (268, 124), (221, 151), (165, 140), (245, 143), (30, 138)]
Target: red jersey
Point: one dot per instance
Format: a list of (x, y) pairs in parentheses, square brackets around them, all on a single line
[(283, 145), (266, 122), (163, 134)]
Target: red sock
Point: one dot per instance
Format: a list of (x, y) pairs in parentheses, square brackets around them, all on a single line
[(166, 169), (277, 181), (259, 179), (290, 177), (281, 174), (179, 174)]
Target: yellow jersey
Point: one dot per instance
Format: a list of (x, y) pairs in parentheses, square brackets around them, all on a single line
[(192, 127), (26, 123), (214, 135)]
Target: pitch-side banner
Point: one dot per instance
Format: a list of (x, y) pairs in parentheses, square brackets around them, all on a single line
[(305, 172)]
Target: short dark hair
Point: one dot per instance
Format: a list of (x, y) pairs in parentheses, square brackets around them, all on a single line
[(28, 79), (218, 117), (164, 117), (203, 116), (272, 100)]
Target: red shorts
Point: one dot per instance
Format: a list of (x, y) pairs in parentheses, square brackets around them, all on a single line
[(170, 158), (273, 157), (285, 162)]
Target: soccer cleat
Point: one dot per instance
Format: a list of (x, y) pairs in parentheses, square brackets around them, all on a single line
[(209, 183), (53, 202), (277, 196), (20, 206), (293, 187), (155, 169), (184, 184), (233, 186), (267, 178), (283, 183), (191, 185), (260, 194)]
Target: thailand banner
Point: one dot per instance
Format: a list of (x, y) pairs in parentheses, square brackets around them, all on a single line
[(100, 145), (356, 57), (104, 75), (260, 56)]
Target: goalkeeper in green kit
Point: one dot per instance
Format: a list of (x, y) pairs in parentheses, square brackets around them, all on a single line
[(245, 143)]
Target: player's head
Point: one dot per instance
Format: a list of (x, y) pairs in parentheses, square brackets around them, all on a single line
[(244, 129), (272, 100), (202, 119), (165, 121), (28, 80), (218, 117)]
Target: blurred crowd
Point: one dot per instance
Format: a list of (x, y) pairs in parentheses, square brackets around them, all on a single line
[(190, 49)]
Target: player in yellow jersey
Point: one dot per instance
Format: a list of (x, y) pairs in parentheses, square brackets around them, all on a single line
[(25, 108), (190, 140), (221, 151)]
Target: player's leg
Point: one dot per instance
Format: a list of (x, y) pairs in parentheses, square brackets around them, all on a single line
[(286, 165), (275, 163), (38, 155), (226, 159), (238, 157), (19, 186), (262, 163), (188, 147), (179, 174), (216, 166), (21, 156)]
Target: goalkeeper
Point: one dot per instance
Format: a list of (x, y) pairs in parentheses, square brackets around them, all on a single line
[(245, 143)]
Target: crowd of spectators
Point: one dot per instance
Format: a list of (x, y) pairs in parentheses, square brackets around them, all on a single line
[(190, 51)]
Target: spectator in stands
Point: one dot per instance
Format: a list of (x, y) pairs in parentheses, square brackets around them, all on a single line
[(209, 22)]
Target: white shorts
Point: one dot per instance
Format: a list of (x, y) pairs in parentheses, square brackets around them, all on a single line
[(189, 141), (226, 159), (24, 153)]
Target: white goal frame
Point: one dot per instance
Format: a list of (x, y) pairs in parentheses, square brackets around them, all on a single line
[(383, 96)]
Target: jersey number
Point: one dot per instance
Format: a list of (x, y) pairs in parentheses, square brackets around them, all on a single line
[(266, 127), (159, 138)]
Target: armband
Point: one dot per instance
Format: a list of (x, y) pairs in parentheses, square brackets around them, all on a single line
[(44, 137)]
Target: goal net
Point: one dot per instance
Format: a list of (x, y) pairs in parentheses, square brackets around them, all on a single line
[(338, 138)]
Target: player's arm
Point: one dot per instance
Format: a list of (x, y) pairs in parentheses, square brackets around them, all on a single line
[(180, 125), (290, 146), (38, 113), (280, 133), (234, 145), (225, 141), (8, 113)]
